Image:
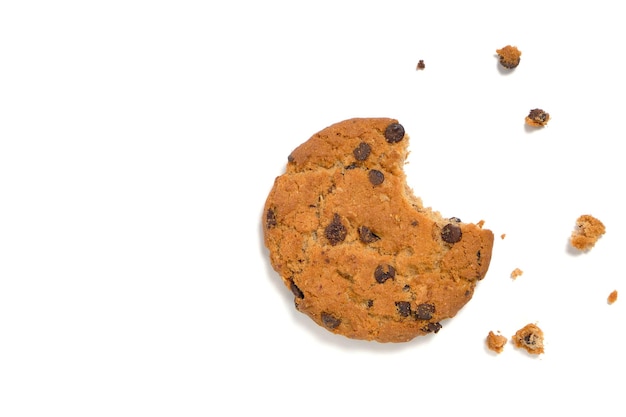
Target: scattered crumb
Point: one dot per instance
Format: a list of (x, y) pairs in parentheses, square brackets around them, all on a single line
[(516, 273), (421, 65), (530, 338), (502, 236), (612, 297), (496, 342), (588, 231), (509, 56), (480, 224), (537, 118)]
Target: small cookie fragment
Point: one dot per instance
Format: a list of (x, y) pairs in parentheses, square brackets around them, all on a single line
[(420, 65), (509, 56), (537, 118), (496, 342), (588, 231), (612, 297), (502, 236), (530, 338), (516, 273)]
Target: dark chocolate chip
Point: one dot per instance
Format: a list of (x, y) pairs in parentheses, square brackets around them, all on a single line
[(351, 166), (376, 177), (529, 340), (369, 303), (295, 290), (404, 308), (335, 232), (425, 311), (330, 321), (362, 151), (414, 223), (432, 327), (270, 219), (366, 235), (451, 233), (384, 272), (455, 219), (394, 133), (538, 115), (290, 159)]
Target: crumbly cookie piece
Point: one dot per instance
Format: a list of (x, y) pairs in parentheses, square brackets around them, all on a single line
[(516, 273), (509, 56), (496, 342), (361, 254), (537, 118), (587, 232), (612, 297), (530, 338)]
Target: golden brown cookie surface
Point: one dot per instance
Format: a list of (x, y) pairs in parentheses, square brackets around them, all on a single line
[(360, 253)]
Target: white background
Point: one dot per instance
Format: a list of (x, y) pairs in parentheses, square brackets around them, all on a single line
[(139, 139)]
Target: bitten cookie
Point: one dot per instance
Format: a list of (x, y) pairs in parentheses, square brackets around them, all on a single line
[(360, 253)]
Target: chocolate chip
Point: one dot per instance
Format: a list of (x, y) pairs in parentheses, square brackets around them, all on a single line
[(404, 308), (362, 151), (351, 166), (451, 233), (384, 272), (406, 288), (538, 116), (290, 159), (425, 311), (376, 177), (295, 290), (421, 65), (330, 321), (530, 340), (270, 219), (432, 327), (369, 303), (366, 235), (335, 232), (455, 219), (394, 133)]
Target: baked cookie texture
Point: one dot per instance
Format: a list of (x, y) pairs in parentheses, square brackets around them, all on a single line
[(529, 338), (496, 342), (587, 232), (509, 56), (361, 254)]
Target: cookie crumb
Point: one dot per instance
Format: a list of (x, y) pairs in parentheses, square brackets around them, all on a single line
[(496, 342), (509, 56), (537, 118), (420, 65), (612, 297), (516, 273), (502, 236), (588, 231), (530, 338)]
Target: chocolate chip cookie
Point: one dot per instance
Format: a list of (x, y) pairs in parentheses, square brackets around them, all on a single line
[(361, 254)]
